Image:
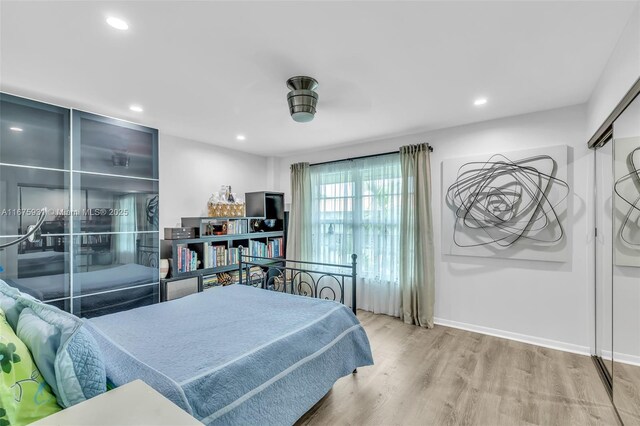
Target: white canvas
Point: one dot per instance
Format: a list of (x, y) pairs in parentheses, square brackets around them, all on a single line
[(511, 205), (626, 241)]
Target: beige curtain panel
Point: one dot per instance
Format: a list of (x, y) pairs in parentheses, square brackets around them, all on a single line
[(299, 231), (417, 278)]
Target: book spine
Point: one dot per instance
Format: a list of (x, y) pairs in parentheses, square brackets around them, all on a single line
[(184, 259)]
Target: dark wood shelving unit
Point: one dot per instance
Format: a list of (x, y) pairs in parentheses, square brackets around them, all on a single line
[(265, 224)]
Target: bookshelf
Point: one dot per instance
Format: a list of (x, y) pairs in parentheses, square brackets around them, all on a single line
[(213, 255)]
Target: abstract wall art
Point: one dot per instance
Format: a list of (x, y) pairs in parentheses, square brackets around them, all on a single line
[(509, 205), (626, 204)]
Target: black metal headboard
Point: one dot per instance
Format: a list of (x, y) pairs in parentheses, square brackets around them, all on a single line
[(313, 279)]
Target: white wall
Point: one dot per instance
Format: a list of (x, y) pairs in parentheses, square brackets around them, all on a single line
[(622, 70), (540, 302), (191, 171)]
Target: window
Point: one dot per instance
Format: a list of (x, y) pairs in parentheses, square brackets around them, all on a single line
[(356, 209)]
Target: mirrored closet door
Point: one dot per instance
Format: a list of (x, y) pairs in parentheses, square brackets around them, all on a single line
[(97, 179), (617, 260), (626, 263)]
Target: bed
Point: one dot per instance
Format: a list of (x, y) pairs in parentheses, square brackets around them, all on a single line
[(236, 354)]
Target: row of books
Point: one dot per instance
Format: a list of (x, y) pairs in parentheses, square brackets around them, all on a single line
[(234, 254), (273, 248), (217, 255), (237, 227), (232, 277), (95, 239), (187, 259), (214, 256)]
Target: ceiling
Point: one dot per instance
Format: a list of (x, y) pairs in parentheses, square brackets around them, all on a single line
[(209, 71)]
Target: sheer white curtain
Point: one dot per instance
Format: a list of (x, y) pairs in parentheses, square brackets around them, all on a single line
[(355, 208)]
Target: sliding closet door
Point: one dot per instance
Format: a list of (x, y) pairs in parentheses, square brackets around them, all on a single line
[(604, 256), (35, 173), (115, 235), (626, 264)]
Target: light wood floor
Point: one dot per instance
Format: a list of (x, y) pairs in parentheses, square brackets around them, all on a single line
[(626, 391), (446, 376)]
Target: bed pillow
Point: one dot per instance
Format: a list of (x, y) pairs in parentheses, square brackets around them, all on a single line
[(24, 395), (8, 303), (66, 353)]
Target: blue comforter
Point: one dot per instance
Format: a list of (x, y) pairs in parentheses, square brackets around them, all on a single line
[(237, 354)]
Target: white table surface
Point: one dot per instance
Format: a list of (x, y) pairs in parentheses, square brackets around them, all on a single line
[(133, 404)]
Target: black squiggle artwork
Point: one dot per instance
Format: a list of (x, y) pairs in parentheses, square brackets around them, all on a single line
[(152, 211), (630, 184), (499, 202)]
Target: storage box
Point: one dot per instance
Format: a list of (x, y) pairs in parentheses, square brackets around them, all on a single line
[(226, 209), (179, 233), (176, 288)]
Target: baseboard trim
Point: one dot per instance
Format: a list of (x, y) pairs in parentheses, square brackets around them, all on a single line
[(538, 341), (623, 358)]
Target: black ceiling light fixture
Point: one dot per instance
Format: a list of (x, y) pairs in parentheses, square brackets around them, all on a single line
[(302, 98)]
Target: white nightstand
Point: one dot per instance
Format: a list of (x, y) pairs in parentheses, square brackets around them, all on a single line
[(134, 404)]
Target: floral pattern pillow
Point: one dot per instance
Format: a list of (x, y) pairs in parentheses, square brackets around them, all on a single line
[(24, 395)]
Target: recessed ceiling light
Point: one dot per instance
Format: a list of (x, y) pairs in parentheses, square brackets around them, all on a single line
[(480, 101), (136, 108), (117, 23), (241, 137), (16, 129)]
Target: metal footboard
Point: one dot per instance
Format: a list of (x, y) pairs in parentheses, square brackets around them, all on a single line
[(312, 279)]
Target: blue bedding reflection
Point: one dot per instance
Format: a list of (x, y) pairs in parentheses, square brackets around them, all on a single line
[(118, 277)]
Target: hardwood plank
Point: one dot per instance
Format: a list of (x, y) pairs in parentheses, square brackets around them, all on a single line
[(446, 376), (626, 392)]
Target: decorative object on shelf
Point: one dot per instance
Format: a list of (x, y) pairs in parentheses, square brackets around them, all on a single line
[(164, 268), (225, 204), (224, 278), (302, 98), (263, 225), (226, 210), (215, 227), (507, 205)]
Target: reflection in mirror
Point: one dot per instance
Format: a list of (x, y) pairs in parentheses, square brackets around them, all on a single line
[(626, 264), (33, 133), (55, 200), (115, 204), (24, 192), (41, 271), (113, 261), (115, 301), (114, 147)]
